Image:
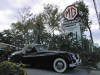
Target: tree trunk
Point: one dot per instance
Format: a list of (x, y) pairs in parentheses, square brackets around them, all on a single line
[(91, 37)]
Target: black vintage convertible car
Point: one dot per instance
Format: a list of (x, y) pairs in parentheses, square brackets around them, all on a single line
[(34, 54)]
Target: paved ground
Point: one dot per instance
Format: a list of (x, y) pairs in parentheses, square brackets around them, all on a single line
[(77, 71), (94, 73), (98, 65), (81, 70)]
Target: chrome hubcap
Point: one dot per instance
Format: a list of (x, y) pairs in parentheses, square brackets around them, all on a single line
[(59, 65)]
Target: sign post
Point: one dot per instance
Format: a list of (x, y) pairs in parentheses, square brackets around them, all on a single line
[(71, 22)]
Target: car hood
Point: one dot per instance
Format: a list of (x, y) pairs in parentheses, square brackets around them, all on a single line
[(17, 52)]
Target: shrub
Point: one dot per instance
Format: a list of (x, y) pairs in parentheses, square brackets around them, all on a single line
[(9, 68)]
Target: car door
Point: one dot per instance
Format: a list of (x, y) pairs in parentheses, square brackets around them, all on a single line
[(29, 58), (35, 58)]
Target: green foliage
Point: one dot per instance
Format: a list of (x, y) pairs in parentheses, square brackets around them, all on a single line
[(60, 42), (83, 14), (9, 68), (52, 17), (12, 38), (6, 52), (27, 26), (27, 29), (1, 37), (6, 36)]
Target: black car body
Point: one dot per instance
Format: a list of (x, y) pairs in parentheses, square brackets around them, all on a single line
[(60, 61)]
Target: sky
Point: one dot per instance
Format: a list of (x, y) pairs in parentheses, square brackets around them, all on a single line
[(9, 10)]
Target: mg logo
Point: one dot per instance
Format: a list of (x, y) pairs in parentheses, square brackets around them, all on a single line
[(70, 12)]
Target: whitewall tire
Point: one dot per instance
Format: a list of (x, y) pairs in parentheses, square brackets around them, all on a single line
[(60, 65)]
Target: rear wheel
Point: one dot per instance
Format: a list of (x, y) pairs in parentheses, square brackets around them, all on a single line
[(60, 65)]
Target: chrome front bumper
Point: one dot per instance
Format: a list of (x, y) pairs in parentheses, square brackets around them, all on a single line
[(76, 63)]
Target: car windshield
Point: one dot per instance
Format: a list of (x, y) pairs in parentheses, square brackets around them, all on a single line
[(40, 48)]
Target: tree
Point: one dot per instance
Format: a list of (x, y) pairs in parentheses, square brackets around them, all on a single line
[(52, 17), (1, 37), (6, 37), (23, 25), (39, 27), (52, 20), (28, 25), (11, 38), (84, 15)]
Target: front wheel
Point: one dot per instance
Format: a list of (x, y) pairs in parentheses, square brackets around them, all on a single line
[(60, 65)]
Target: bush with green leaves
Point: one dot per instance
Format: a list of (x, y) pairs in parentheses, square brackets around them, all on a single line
[(9, 68)]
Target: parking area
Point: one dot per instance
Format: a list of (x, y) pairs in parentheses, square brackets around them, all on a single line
[(76, 71)]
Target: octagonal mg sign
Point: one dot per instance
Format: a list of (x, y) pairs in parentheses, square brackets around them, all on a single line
[(70, 12)]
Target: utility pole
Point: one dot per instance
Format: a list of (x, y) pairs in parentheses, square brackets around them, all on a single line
[(96, 12), (99, 19)]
